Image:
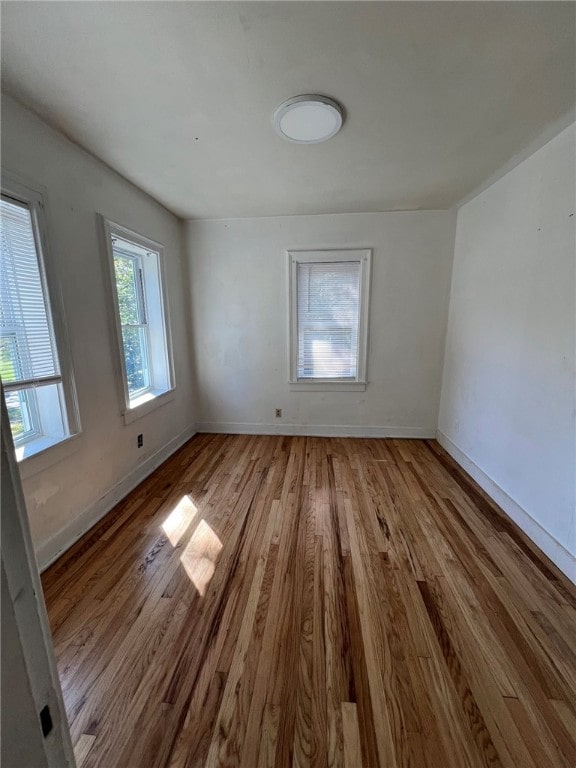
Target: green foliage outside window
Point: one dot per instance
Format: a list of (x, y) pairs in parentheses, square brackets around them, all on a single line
[(132, 319)]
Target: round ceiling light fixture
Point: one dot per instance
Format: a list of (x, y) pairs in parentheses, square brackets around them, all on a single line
[(308, 119)]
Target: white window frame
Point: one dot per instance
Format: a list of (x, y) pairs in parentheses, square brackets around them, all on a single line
[(40, 451), (364, 257), (151, 398)]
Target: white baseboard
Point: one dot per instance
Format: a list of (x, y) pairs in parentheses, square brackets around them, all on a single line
[(50, 550), (551, 547), (311, 430)]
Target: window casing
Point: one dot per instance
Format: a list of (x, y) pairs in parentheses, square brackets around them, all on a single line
[(141, 314), (329, 295), (34, 361)]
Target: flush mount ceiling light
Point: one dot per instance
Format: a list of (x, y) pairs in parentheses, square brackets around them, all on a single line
[(308, 119)]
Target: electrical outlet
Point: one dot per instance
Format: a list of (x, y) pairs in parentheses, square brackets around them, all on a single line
[(278, 413), (140, 441)]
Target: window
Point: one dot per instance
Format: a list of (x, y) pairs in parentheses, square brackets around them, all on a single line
[(141, 318), (328, 323), (38, 392)]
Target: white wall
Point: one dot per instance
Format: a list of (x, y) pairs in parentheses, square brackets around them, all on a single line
[(97, 468), (240, 322), (507, 411), (508, 398)]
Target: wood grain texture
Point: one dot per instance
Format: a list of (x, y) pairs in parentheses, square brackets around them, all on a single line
[(81, 748), (285, 602)]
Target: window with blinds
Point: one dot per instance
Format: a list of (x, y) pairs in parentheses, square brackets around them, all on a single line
[(328, 320), (329, 307), (29, 364)]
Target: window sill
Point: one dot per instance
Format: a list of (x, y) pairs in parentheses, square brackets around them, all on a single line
[(147, 403), (39, 454), (327, 386)]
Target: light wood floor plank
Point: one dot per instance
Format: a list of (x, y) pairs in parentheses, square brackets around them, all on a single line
[(292, 602)]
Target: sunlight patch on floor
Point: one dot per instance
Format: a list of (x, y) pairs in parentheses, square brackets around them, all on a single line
[(200, 556), (177, 522)]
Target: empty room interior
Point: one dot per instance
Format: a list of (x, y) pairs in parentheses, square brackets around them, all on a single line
[(287, 349)]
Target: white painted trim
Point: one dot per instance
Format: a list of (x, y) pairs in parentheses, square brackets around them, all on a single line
[(47, 457), (35, 197), (312, 430), (109, 229), (37, 677), (551, 547), (50, 550), (317, 385), (157, 401)]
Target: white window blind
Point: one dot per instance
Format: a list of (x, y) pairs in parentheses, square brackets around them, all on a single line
[(28, 351), (328, 307), (35, 391)]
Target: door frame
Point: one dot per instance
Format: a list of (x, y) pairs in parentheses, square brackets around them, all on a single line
[(40, 684)]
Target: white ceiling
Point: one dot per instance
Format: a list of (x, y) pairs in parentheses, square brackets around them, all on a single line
[(178, 96)]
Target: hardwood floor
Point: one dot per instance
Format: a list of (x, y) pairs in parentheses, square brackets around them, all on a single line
[(291, 601)]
